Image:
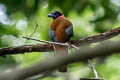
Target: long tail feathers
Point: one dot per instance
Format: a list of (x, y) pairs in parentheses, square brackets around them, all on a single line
[(61, 51)]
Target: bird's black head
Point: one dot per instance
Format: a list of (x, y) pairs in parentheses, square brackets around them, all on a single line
[(55, 14)]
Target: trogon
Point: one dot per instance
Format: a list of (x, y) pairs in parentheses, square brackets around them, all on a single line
[(61, 30)]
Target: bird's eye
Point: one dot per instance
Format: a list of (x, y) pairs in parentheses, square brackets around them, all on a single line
[(55, 13)]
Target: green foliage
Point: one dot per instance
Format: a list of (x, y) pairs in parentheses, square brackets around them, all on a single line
[(18, 18)]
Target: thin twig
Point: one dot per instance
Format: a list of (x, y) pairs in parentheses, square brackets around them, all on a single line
[(75, 47), (93, 68), (34, 30), (46, 41)]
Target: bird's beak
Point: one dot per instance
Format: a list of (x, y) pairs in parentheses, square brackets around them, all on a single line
[(50, 15)]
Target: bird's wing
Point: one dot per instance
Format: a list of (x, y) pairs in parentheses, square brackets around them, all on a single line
[(69, 31), (52, 35)]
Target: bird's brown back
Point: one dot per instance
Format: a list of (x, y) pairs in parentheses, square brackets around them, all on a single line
[(59, 25)]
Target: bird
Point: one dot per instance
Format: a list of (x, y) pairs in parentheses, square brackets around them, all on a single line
[(60, 30)]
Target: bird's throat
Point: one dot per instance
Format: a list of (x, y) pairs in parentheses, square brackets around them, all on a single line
[(61, 16)]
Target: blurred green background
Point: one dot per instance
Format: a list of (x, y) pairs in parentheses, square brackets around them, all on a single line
[(89, 17)]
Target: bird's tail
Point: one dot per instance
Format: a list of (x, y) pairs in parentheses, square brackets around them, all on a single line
[(61, 51)]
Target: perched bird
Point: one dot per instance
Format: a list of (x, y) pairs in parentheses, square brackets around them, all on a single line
[(61, 29)]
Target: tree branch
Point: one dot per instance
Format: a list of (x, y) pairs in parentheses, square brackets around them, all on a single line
[(48, 47), (26, 48), (97, 38)]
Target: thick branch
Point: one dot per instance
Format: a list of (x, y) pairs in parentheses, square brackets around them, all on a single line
[(53, 63), (97, 38), (26, 48), (48, 47)]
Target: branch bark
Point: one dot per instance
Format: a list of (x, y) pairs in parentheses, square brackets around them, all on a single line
[(97, 38), (53, 63), (48, 47), (26, 48)]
